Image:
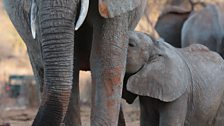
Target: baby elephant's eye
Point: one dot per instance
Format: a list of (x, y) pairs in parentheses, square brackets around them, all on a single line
[(131, 44)]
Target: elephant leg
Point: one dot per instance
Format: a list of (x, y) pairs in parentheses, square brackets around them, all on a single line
[(149, 115), (72, 117), (81, 62), (121, 120), (107, 60), (173, 113)]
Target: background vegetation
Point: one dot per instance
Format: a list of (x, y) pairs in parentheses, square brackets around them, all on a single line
[(13, 56)]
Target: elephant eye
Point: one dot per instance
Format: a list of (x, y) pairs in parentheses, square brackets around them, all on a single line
[(131, 45), (155, 58)]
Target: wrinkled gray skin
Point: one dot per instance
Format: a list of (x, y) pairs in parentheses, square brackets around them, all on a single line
[(176, 87), (57, 56), (205, 27)]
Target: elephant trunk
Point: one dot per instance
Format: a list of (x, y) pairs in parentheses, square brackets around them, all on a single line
[(56, 23)]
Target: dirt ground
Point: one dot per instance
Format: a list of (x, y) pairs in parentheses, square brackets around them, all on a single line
[(24, 117)]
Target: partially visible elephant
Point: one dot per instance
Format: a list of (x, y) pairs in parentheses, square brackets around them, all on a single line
[(205, 27), (170, 23), (166, 15), (58, 49), (176, 87)]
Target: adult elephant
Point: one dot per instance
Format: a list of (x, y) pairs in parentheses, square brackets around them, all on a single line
[(58, 52), (205, 27)]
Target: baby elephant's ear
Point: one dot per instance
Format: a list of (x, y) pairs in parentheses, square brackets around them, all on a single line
[(112, 8), (165, 79)]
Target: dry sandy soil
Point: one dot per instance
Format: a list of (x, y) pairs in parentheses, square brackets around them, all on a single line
[(24, 117)]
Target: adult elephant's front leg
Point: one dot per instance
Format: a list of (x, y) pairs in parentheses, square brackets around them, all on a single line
[(108, 59)]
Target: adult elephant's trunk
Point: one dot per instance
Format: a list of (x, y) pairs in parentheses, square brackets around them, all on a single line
[(56, 23)]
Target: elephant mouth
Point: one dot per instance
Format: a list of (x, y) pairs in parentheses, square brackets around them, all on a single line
[(130, 74), (140, 68)]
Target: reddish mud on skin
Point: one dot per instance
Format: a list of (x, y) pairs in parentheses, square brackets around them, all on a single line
[(115, 79), (103, 9)]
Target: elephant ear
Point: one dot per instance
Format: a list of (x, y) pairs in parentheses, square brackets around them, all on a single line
[(165, 78), (112, 8)]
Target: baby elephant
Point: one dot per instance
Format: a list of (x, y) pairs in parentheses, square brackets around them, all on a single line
[(176, 87)]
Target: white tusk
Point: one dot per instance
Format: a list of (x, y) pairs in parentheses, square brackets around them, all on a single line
[(83, 13), (33, 18)]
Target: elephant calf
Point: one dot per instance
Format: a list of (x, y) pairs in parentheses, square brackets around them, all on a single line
[(176, 87)]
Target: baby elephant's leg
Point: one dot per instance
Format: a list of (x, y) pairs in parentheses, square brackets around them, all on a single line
[(149, 111), (173, 113)]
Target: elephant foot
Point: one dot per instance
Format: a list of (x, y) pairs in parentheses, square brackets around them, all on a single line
[(71, 122), (73, 117)]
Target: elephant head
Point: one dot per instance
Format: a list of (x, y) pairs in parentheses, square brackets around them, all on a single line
[(157, 67)]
